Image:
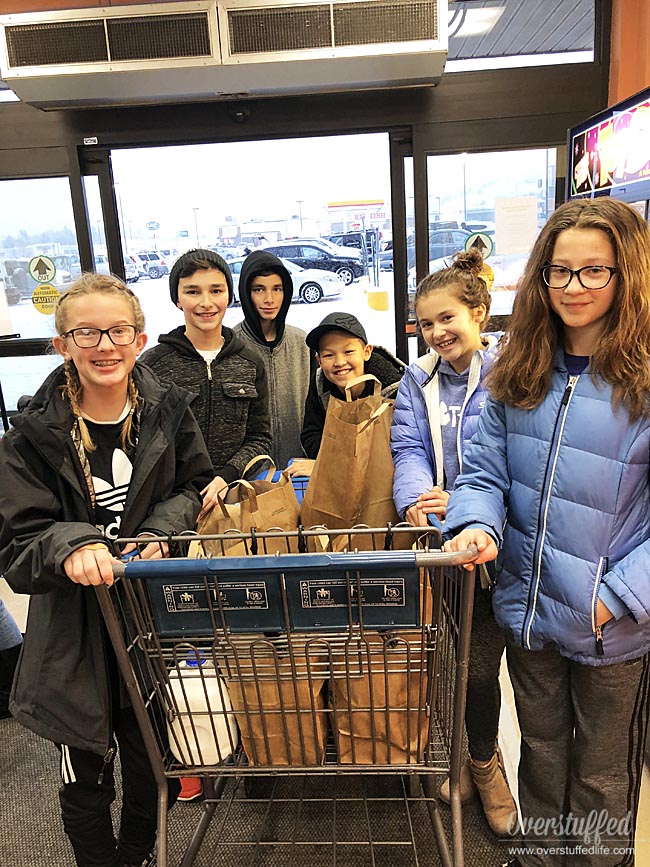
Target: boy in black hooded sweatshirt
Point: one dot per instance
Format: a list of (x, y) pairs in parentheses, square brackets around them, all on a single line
[(265, 292)]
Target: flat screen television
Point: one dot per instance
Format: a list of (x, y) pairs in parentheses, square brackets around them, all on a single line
[(609, 154)]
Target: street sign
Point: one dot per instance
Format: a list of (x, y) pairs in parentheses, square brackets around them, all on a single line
[(480, 241), (42, 269), (153, 226)]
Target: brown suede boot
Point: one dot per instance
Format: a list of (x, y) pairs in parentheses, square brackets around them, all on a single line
[(498, 804), (467, 787)]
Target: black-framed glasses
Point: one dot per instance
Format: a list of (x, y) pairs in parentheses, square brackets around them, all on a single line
[(589, 277), (88, 338)]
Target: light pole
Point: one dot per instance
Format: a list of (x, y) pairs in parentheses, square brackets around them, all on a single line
[(464, 156), (196, 226), (299, 203)]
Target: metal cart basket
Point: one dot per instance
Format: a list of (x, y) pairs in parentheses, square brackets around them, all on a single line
[(349, 657)]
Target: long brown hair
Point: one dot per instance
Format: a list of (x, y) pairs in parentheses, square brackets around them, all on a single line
[(463, 277), (91, 284), (521, 374)]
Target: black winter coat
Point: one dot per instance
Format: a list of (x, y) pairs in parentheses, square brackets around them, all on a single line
[(61, 690)]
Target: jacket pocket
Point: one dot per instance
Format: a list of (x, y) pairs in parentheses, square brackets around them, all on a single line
[(237, 398)]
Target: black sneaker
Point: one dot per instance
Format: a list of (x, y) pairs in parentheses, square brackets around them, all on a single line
[(513, 862)]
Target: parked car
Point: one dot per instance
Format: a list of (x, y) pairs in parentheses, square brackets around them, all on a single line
[(68, 263), (101, 264), (139, 265), (309, 284), (131, 274), (154, 264), (12, 293), (314, 254), (442, 242)]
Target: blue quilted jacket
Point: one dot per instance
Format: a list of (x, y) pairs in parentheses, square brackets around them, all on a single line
[(415, 437), (564, 489)]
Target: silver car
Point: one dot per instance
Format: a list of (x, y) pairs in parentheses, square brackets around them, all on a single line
[(309, 284)]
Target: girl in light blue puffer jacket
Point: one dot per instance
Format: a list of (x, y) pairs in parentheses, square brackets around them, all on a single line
[(558, 478), (436, 412)]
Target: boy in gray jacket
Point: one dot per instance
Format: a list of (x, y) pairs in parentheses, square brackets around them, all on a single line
[(265, 292)]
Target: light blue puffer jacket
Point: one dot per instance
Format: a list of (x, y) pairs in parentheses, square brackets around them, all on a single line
[(564, 489), (415, 437)]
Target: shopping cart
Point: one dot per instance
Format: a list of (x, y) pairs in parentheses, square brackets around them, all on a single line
[(324, 662)]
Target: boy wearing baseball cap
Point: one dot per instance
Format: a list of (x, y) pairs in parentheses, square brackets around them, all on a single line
[(343, 353), (208, 359)]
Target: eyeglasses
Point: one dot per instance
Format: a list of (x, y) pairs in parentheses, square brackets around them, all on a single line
[(589, 277), (88, 338)]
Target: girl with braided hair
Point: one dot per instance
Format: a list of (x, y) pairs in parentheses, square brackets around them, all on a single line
[(436, 413), (102, 451)]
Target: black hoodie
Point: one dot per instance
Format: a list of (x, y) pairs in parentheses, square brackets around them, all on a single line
[(286, 358)]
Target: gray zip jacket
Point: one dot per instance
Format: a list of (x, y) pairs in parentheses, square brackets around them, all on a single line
[(286, 359)]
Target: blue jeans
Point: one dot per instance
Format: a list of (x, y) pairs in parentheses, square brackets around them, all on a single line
[(9, 632)]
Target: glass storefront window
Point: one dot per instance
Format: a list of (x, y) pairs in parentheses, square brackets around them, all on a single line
[(321, 203), (495, 201), (37, 243)]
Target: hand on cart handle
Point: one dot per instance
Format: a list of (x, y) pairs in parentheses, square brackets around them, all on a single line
[(90, 565), (479, 539), (155, 550)]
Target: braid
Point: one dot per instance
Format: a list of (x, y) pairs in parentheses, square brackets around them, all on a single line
[(72, 390), (127, 424)]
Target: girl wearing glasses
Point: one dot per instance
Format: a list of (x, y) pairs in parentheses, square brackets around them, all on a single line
[(103, 450), (556, 484)]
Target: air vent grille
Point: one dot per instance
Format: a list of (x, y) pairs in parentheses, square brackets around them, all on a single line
[(371, 23), (56, 43), (158, 36), (331, 25), (284, 29), (150, 37)]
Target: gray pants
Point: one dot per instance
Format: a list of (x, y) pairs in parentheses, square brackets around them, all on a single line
[(583, 731)]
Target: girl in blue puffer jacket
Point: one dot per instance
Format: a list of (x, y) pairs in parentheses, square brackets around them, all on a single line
[(436, 412), (558, 478)]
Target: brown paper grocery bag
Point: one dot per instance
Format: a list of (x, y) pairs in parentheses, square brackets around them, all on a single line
[(352, 479), (260, 503), (379, 691), (279, 702), (378, 700)]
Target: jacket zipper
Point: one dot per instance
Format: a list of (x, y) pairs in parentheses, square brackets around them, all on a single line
[(461, 415), (545, 500), (598, 630)]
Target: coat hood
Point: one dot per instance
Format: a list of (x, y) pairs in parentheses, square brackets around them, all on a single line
[(257, 262)]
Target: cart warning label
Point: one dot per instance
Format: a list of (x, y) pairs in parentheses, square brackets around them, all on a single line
[(333, 592), (182, 598)]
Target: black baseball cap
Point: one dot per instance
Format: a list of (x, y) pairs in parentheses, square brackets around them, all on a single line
[(336, 322)]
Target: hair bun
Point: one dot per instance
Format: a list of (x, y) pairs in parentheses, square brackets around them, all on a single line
[(471, 261)]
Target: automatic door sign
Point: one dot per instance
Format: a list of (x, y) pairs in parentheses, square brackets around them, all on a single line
[(42, 269), (481, 242), (44, 298)]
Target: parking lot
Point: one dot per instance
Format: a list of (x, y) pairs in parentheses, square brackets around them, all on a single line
[(23, 375)]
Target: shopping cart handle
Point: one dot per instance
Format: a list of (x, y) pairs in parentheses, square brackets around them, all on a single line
[(446, 558), (381, 561)]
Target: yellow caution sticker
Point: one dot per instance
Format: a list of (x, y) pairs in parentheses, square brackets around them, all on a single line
[(487, 273), (44, 298)]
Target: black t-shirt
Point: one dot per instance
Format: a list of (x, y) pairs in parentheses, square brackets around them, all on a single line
[(111, 470)]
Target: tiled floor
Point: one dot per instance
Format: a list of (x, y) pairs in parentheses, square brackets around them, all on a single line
[(508, 738)]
